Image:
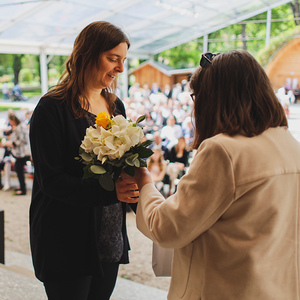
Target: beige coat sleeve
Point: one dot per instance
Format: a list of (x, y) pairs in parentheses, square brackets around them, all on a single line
[(203, 195)]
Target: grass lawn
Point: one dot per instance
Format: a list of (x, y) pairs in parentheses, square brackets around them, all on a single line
[(7, 107)]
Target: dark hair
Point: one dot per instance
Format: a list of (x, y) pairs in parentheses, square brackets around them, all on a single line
[(14, 118), (94, 39), (234, 95)]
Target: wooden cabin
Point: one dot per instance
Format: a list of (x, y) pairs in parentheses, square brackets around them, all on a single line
[(284, 67), (151, 71)]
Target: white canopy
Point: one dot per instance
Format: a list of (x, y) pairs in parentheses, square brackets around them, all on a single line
[(50, 26)]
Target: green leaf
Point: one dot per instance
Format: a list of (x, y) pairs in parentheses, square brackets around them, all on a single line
[(136, 163), (117, 163), (117, 173), (144, 152), (130, 160), (86, 172), (127, 154), (147, 143), (140, 119), (107, 182), (142, 163), (81, 150), (85, 156), (97, 169), (129, 170)]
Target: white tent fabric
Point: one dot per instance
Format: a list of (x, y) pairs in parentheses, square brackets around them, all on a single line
[(50, 26)]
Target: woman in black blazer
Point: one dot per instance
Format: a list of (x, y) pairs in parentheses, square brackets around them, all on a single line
[(77, 229)]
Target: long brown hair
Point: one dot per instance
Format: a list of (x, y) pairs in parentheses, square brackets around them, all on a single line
[(151, 162), (234, 95), (94, 39)]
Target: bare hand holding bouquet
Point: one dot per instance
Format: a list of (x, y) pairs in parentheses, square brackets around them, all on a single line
[(113, 145)]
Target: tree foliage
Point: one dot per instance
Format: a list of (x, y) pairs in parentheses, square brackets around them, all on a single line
[(6, 64), (17, 64), (295, 5), (249, 35), (182, 56)]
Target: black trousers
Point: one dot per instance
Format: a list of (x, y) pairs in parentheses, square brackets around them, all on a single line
[(19, 168), (85, 288)]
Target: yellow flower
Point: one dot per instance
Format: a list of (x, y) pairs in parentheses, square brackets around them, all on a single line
[(103, 120)]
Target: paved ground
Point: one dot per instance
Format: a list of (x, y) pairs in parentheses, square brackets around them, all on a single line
[(17, 282)]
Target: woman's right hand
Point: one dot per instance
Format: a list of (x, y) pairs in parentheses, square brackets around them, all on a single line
[(127, 189), (142, 176)]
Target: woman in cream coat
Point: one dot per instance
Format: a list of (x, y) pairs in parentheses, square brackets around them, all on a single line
[(234, 220)]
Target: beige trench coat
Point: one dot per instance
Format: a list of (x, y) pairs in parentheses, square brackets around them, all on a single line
[(234, 221)]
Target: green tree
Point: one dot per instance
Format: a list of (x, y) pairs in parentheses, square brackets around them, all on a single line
[(249, 35), (295, 5), (182, 56), (17, 65), (6, 64), (57, 62)]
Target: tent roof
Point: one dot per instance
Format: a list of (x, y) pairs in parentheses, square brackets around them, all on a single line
[(32, 26)]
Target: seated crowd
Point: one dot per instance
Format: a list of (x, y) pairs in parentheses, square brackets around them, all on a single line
[(169, 124)]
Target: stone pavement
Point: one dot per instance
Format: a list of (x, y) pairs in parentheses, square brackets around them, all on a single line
[(17, 282)]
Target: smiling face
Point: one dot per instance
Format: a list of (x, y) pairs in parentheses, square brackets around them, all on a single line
[(111, 63)]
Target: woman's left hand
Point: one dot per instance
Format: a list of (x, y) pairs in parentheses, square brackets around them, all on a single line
[(127, 189)]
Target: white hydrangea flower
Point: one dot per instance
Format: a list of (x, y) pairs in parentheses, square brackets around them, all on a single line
[(88, 142), (106, 143), (112, 143)]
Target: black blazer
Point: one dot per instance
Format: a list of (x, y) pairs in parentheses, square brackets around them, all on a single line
[(65, 209)]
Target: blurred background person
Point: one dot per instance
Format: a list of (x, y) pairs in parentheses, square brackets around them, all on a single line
[(171, 132), (5, 91), (179, 155), (20, 149), (156, 165)]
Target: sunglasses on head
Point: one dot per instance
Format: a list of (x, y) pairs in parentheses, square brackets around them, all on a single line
[(206, 58)]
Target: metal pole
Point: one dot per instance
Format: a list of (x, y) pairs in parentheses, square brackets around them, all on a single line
[(205, 43), (2, 238), (44, 71), (268, 29)]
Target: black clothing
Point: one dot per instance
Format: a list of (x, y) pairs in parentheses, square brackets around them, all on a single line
[(172, 156), (65, 209), (85, 288), (19, 168)]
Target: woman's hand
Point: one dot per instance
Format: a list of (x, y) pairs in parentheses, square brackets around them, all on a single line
[(180, 166), (142, 176), (127, 189)]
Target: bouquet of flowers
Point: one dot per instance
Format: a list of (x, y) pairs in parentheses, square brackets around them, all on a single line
[(113, 145)]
